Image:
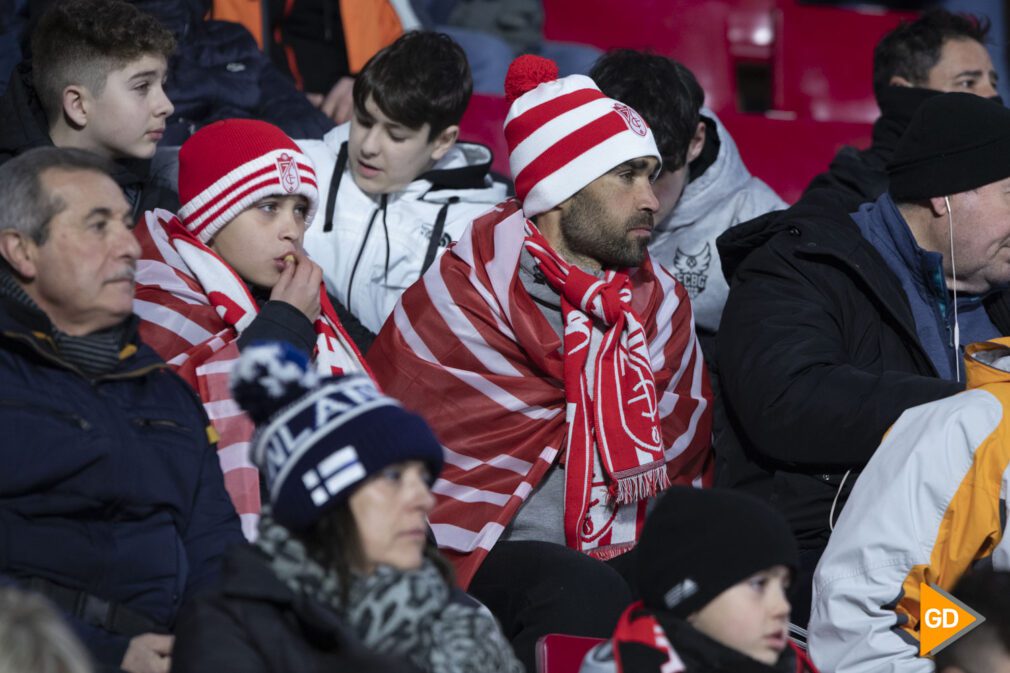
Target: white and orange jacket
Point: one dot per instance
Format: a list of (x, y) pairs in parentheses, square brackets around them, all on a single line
[(931, 503)]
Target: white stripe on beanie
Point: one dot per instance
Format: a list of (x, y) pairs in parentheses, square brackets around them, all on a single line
[(278, 172), (564, 133)]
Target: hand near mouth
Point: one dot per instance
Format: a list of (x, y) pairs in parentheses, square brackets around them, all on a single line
[(299, 284)]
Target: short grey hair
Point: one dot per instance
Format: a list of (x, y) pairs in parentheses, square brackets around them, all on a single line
[(34, 638), (27, 207)]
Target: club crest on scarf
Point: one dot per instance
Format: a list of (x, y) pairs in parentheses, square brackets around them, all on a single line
[(614, 444), (288, 171)]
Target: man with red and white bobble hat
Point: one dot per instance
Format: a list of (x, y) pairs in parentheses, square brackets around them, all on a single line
[(558, 366)]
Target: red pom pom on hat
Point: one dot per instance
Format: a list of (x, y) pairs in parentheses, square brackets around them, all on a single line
[(526, 73)]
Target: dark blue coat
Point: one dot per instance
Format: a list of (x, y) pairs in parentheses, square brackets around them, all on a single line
[(218, 72), (108, 485)]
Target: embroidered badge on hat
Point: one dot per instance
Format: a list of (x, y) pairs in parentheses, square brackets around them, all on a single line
[(680, 592), (631, 118), (288, 169)]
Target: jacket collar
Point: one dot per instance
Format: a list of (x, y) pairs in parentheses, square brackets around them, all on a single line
[(31, 328), (703, 654), (985, 362), (247, 575)]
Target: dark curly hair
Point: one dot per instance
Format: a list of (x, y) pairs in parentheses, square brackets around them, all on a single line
[(913, 48), (82, 41), (422, 78), (660, 89)]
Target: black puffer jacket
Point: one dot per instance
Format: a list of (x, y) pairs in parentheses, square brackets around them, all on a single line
[(818, 356), (218, 72), (255, 624)]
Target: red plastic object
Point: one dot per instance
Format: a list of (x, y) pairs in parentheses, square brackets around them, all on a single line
[(787, 154), (482, 123), (557, 653)]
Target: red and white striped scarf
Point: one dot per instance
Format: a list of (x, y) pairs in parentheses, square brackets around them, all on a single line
[(639, 626), (193, 307), (469, 349)]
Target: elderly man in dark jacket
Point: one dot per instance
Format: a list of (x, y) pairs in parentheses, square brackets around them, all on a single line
[(112, 502), (837, 323)]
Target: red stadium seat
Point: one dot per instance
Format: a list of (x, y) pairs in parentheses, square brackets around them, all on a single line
[(557, 653), (482, 123), (788, 153)]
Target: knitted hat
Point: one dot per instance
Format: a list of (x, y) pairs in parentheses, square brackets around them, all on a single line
[(696, 543), (318, 439), (229, 165), (954, 143), (564, 133)]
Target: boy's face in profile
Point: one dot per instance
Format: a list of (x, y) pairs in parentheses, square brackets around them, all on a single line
[(751, 617), (127, 119), (385, 156)]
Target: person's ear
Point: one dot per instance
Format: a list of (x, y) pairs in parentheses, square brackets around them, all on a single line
[(898, 80), (20, 253), (444, 141), (938, 206), (697, 142), (75, 105)]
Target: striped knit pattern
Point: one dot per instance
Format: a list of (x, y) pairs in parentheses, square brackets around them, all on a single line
[(228, 166), (468, 348), (223, 201), (193, 307), (564, 134)]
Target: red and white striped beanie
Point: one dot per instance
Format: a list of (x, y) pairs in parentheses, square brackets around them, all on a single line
[(564, 133), (229, 165)]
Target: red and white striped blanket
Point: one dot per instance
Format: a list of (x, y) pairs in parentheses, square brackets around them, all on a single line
[(193, 307), (469, 349)]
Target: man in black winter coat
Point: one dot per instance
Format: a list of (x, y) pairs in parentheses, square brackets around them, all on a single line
[(836, 323), (939, 52), (112, 501)]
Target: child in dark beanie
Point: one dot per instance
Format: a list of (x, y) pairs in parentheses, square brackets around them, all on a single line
[(713, 569)]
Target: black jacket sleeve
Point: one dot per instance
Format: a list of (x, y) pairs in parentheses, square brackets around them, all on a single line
[(787, 375), (280, 321)]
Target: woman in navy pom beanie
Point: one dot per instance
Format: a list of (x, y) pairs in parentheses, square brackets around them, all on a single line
[(342, 570)]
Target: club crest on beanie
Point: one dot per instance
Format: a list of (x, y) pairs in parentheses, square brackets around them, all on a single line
[(318, 439), (229, 165), (696, 543), (563, 133)]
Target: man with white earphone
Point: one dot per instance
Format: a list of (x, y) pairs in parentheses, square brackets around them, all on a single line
[(931, 503), (837, 322)]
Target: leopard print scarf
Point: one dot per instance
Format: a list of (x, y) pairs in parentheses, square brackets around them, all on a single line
[(406, 614)]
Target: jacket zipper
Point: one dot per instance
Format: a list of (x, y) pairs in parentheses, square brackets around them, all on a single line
[(73, 418), (361, 251)]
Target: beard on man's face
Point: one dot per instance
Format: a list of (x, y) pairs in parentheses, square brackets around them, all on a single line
[(589, 232)]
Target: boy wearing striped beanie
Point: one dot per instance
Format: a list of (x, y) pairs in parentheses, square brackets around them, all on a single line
[(557, 365), (230, 269)]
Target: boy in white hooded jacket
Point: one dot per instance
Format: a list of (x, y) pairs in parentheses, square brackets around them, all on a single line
[(395, 186)]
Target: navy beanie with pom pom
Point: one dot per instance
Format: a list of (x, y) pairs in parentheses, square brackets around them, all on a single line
[(318, 439)]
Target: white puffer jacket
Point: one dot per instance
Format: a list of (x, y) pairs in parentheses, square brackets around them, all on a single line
[(375, 247)]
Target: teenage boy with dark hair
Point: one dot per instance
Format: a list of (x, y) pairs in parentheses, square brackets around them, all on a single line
[(395, 185), (95, 83), (938, 52), (704, 188)]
